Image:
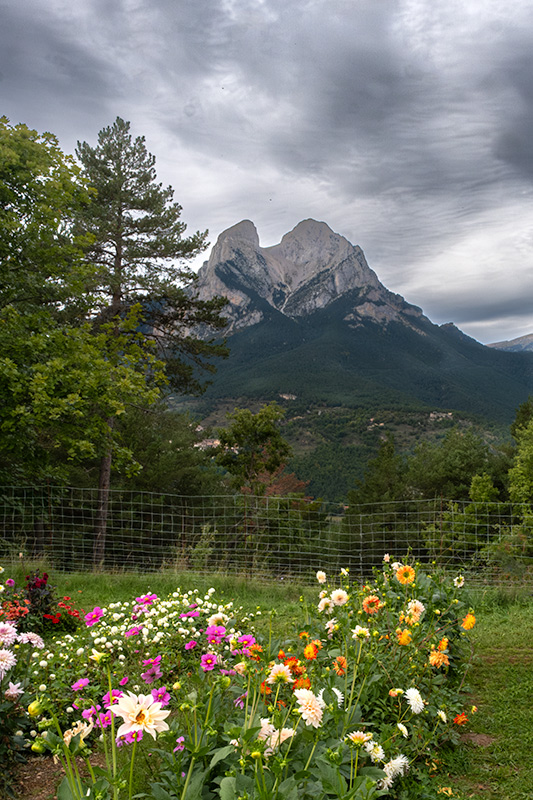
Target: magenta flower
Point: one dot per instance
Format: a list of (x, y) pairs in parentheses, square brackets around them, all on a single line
[(179, 744), (150, 661), (208, 662), (93, 616), (191, 644), (215, 634), (81, 684), (146, 599), (161, 695), (88, 713), (134, 631), (152, 674), (239, 701), (129, 738), (10, 582), (116, 694), (103, 720), (123, 681), (247, 640), (187, 614)]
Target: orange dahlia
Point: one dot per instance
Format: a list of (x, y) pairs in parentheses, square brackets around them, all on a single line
[(404, 637), (371, 604), (295, 666), (254, 651), (340, 665), (468, 622), (405, 574), (461, 719), (438, 659), (310, 651)]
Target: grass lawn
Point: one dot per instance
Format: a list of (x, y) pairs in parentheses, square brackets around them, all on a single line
[(496, 760)]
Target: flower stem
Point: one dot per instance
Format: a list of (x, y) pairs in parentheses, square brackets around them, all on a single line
[(188, 778), (311, 754), (131, 766), (113, 742)]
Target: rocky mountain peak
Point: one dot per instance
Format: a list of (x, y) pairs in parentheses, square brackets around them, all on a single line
[(311, 240), (244, 231), (309, 269)]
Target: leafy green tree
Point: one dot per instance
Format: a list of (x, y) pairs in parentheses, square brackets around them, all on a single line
[(384, 477), (61, 386), (524, 414), (252, 447), (521, 471), (376, 520), (40, 191), (446, 468)]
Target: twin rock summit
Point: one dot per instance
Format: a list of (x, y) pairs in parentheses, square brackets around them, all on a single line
[(311, 268), (308, 319)]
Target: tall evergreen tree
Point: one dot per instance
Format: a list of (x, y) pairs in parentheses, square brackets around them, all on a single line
[(138, 246), (136, 241)]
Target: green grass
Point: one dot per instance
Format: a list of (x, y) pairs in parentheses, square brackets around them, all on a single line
[(495, 758)]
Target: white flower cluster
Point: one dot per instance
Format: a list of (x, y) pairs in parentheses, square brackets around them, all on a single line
[(127, 626)]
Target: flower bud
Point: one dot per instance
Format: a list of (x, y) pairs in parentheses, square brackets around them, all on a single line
[(35, 708)]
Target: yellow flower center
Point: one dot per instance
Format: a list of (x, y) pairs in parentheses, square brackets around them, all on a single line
[(141, 717)]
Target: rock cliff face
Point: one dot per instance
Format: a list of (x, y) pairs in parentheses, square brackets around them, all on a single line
[(308, 270), (519, 345)]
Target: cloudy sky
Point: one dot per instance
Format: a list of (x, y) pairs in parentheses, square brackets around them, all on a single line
[(406, 125)]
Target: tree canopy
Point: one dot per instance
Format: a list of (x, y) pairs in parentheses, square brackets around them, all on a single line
[(60, 382), (136, 240), (252, 446)]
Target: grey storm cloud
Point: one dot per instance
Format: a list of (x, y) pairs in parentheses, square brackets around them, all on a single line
[(405, 125)]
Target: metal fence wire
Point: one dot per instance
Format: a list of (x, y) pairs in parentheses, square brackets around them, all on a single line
[(263, 537)]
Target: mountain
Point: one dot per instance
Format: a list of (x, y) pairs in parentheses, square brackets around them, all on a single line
[(309, 320), (308, 270), (522, 344)]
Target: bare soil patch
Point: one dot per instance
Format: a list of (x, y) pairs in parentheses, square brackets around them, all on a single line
[(39, 778)]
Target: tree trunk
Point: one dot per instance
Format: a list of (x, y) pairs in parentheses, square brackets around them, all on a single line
[(100, 523)]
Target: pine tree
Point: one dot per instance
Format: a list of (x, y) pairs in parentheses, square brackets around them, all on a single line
[(136, 241)]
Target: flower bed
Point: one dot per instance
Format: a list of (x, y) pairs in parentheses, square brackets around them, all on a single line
[(354, 705)]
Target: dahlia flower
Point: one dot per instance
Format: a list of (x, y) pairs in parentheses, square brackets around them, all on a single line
[(140, 713), (414, 698), (310, 706)]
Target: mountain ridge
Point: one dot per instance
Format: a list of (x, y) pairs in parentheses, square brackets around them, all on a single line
[(308, 317), (307, 270)]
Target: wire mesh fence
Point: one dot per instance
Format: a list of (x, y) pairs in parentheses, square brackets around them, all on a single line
[(262, 537)]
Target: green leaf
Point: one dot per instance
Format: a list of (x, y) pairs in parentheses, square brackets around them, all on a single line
[(158, 793), (220, 754), (194, 789), (227, 788), (64, 792), (288, 790)]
